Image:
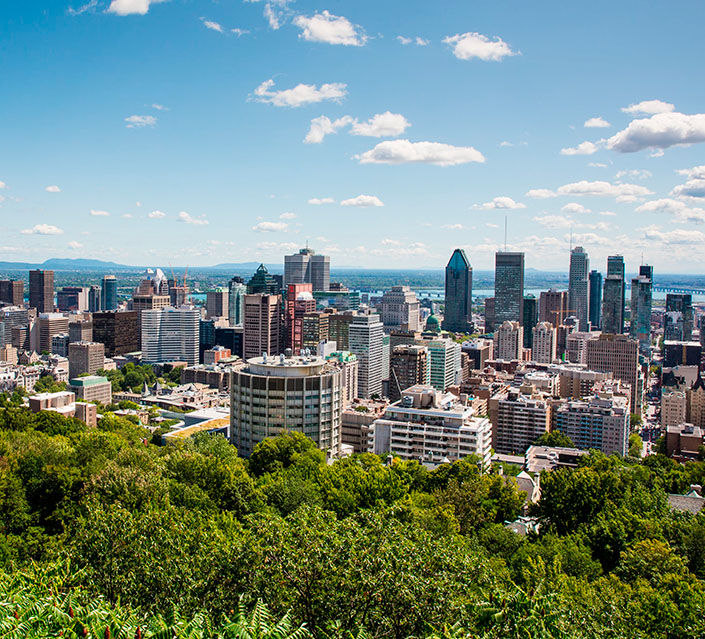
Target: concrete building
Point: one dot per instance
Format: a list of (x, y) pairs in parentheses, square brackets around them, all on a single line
[(170, 335), (509, 341), (613, 292), (410, 365), (543, 350), (683, 441), (673, 408), (108, 293), (85, 358), (315, 329), (445, 362), (576, 346), (271, 395), (41, 291), (640, 322), (519, 417), (357, 420), (339, 328), (118, 330), (578, 286), (508, 287), (681, 353), (299, 303), (262, 325), (92, 389), (366, 341), (12, 292), (399, 309), (218, 303), (695, 403), (48, 325), (348, 365), (215, 354), (72, 298), (619, 355), (678, 321), (595, 306), (60, 344), (478, 352), (553, 306), (457, 315), (81, 330), (307, 267)]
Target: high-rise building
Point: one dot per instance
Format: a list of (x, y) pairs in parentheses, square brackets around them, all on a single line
[(613, 296), (72, 298), (409, 366), (315, 330), (445, 362), (262, 325), (399, 309), (12, 292), (236, 300), (508, 287), (50, 324), (489, 315), (543, 350), (678, 321), (640, 323), (118, 331), (273, 394), (60, 344), (339, 329), (529, 319), (170, 335), (299, 302), (578, 286), (108, 293), (94, 299), (553, 306), (81, 330), (509, 341), (518, 420), (457, 316), (41, 291), (595, 305), (217, 303), (85, 358), (306, 267), (619, 355), (262, 283), (366, 337)]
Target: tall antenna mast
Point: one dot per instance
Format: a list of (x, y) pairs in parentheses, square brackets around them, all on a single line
[(505, 233)]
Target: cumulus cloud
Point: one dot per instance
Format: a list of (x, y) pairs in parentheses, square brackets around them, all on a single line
[(140, 121), (73, 244), (287, 216), (623, 192), (680, 210), (540, 194), (321, 200), (554, 221), (188, 219), (214, 26), (43, 229), (362, 200), (608, 213), (660, 131), (97, 213), (156, 215), (129, 7), (676, 236), (279, 247), (584, 148), (270, 227), (381, 125), (574, 208), (300, 95), (649, 107), (52, 189), (694, 186), (322, 126), (501, 202), (404, 151), (331, 29), (596, 123), (466, 46)]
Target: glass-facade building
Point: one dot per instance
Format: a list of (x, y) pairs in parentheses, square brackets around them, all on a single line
[(508, 287)]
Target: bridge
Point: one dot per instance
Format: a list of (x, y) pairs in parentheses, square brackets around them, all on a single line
[(669, 289)]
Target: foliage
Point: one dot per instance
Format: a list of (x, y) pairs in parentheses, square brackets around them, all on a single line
[(555, 438)]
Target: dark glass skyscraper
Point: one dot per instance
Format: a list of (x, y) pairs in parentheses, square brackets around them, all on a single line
[(108, 295), (613, 296), (508, 287), (41, 291), (595, 306), (94, 299), (678, 323), (578, 286), (529, 319), (458, 300), (640, 322), (263, 283)]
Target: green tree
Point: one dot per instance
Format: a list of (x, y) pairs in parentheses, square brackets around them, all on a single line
[(555, 438)]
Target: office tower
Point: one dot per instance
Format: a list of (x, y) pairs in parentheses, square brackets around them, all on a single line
[(681, 353), (81, 330), (153, 282), (118, 331), (236, 300), (595, 306), (60, 344), (578, 293), (518, 420), (673, 408), (272, 395), (457, 315), (553, 306), (262, 325), (613, 296), (72, 298), (478, 351), (347, 363), (315, 329), (366, 337), (262, 283), (231, 337), (543, 350), (399, 309), (678, 321), (305, 267), (445, 362), (50, 324), (217, 303), (299, 302), (529, 319), (640, 323), (508, 287), (170, 335), (489, 315), (85, 357), (95, 303), (12, 292), (409, 365), (576, 346), (509, 341), (108, 294), (41, 291), (619, 355), (339, 329)]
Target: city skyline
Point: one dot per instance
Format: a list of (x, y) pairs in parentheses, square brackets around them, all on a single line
[(428, 127)]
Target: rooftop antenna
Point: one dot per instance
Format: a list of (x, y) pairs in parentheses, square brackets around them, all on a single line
[(505, 233)]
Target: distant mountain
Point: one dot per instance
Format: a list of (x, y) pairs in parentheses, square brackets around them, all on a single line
[(242, 266), (66, 264)]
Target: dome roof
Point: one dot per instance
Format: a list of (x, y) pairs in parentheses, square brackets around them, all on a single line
[(433, 324)]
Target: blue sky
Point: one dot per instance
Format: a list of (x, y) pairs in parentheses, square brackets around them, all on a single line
[(384, 133)]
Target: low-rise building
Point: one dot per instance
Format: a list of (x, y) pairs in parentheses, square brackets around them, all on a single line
[(519, 417), (92, 388), (683, 441)]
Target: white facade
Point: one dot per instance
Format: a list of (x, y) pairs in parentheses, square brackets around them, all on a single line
[(366, 341), (400, 309), (444, 362), (543, 348), (673, 408), (509, 341), (170, 334)]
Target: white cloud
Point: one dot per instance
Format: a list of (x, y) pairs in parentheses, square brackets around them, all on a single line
[(591, 239), (128, 7), (239, 32), (300, 95), (159, 107), (604, 189), (694, 186), (89, 6), (52, 189), (363, 200), (660, 131), (326, 27), (288, 216), (475, 45), (680, 210), (139, 121), (404, 40), (453, 227), (649, 107), (43, 229), (596, 123), (404, 151), (554, 221), (322, 126), (188, 219), (214, 26), (321, 200), (608, 213), (381, 125), (696, 172), (540, 194), (420, 42), (279, 247), (96, 213), (676, 236), (574, 208), (584, 148), (3, 185), (274, 16), (501, 202), (597, 165), (639, 174), (156, 215), (270, 227), (73, 244), (127, 216)]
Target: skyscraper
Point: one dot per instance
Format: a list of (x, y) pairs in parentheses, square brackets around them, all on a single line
[(305, 267), (678, 325), (578, 286), (553, 307), (400, 309), (41, 291), (217, 303), (529, 319), (409, 366), (170, 334), (640, 323), (94, 299), (619, 355), (119, 332), (613, 296), (543, 350), (457, 316), (366, 337), (508, 287), (262, 283), (262, 325), (236, 299), (12, 292), (299, 302), (509, 341), (109, 293), (595, 305)]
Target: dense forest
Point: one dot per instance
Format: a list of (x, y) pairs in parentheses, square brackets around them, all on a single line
[(104, 534)]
